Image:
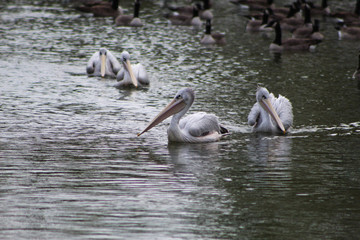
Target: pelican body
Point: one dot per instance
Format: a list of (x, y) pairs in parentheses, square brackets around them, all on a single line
[(195, 128), (103, 63), (131, 75), (270, 114)]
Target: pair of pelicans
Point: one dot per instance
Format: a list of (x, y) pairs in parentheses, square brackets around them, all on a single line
[(269, 114)]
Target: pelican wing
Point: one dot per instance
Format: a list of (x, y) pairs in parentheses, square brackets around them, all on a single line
[(90, 67), (140, 73), (200, 124), (114, 63), (254, 114), (120, 75), (283, 108)]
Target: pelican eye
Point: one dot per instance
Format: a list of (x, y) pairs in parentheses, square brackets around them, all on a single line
[(264, 97), (178, 97)]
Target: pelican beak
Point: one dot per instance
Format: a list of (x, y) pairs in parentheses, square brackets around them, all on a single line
[(175, 106), (103, 65), (270, 109), (132, 76)]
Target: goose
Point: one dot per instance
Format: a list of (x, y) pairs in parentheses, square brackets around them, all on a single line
[(258, 25), (312, 33), (212, 38), (291, 44), (178, 19), (101, 8), (323, 9), (292, 23), (348, 33), (345, 16), (130, 20)]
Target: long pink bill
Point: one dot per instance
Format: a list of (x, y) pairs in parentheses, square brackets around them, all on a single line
[(270, 109), (131, 72), (103, 65), (172, 108)]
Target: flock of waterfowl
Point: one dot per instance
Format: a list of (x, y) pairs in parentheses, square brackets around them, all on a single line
[(269, 114)]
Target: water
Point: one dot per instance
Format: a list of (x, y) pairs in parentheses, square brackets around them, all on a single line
[(72, 166)]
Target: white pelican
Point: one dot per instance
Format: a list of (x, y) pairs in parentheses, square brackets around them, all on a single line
[(103, 63), (270, 114), (131, 75), (195, 128)]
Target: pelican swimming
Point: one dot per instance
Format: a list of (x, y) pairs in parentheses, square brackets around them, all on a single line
[(270, 114), (103, 63), (131, 75), (195, 128)]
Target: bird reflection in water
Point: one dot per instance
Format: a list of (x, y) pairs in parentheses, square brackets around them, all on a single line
[(191, 157), (271, 158)]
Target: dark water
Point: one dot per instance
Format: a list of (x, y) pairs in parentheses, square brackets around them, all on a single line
[(72, 166)]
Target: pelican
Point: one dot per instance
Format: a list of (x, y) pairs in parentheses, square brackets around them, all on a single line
[(103, 63), (195, 128), (270, 114), (131, 75), (129, 20)]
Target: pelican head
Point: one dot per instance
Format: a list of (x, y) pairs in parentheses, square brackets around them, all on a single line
[(125, 59), (103, 56), (179, 105), (263, 98)]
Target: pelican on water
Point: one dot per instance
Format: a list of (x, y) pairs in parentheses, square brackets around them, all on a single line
[(270, 114), (103, 63), (131, 75), (194, 128)]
